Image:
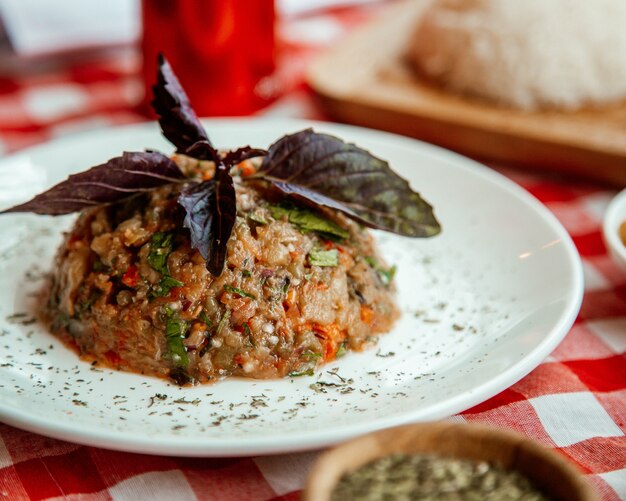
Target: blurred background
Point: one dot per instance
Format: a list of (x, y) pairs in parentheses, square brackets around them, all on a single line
[(76, 65), (530, 84)]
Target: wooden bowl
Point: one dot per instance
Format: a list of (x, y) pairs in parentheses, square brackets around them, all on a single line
[(614, 217), (548, 470)]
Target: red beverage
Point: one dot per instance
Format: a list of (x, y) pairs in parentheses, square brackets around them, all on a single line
[(221, 50)]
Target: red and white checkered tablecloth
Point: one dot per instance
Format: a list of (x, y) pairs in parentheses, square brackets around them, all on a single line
[(574, 402)]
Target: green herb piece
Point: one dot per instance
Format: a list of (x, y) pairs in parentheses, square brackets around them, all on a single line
[(308, 372), (205, 319), (99, 266), (175, 327), (246, 329), (238, 291), (385, 355), (222, 323), (248, 333), (86, 305), (311, 355), (160, 248), (257, 218), (306, 220), (246, 273), (175, 330), (342, 349), (165, 285), (385, 274), (324, 258)]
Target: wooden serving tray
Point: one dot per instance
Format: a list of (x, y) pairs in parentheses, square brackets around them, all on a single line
[(366, 81)]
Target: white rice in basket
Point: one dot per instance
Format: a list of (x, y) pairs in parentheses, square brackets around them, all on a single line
[(527, 54)]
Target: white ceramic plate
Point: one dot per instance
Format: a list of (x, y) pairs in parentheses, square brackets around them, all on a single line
[(483, 304)]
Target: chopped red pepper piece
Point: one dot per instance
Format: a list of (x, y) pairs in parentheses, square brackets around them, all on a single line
[(247, 168), (131, 277)]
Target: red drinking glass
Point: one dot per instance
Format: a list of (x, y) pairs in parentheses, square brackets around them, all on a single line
[(221, 50)]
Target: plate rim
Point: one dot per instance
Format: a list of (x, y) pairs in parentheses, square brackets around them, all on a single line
[(171, 444)]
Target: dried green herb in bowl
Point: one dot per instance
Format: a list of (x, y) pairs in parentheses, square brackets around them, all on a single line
[(444, 461), (407, 477)]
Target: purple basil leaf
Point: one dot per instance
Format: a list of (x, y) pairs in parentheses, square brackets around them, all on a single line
[(320, 169), (211, 211), (178, 120), (203, 150), (234, 157), (119, 178)]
